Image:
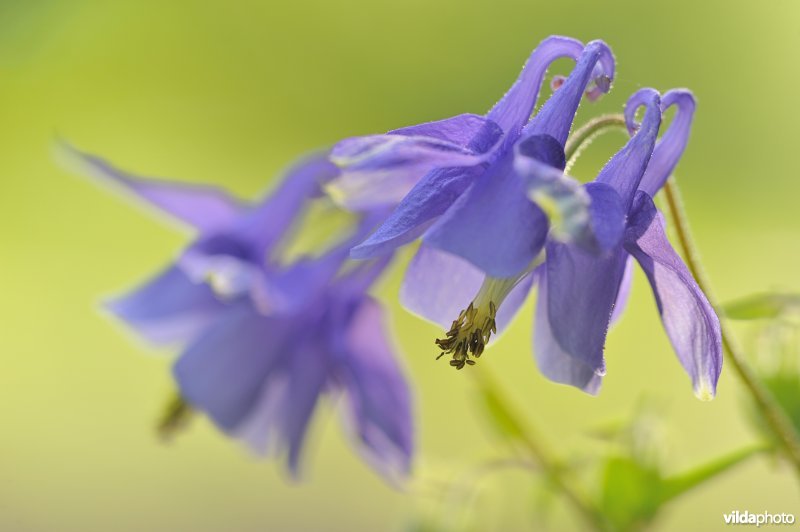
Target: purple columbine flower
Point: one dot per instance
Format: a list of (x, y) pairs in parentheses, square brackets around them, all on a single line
[(580, 295), (264, 341), (459, 188)]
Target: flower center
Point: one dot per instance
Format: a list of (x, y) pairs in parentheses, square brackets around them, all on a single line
[(471, 331)]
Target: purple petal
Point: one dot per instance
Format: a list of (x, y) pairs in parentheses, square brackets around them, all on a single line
[(606, 219), (428, 200), (624, 292), (381, 169), (438, 286), (555, 363), (671, 145), (170, 308), (515, 108), (309, 372), (378, 398), (298, 285), (493, 225), (289, 290), (279, 420), (266, 224), (590, 216), (468, 132), (205, 208), (556, 115), (582, 290), (223, 371), (690, 321), (624, 171)]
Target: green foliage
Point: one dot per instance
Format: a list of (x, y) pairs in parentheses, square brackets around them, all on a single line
[(761, 306), (785, 388), (630, 493)]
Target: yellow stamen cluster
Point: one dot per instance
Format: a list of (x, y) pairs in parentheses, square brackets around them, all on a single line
[(469, 334)]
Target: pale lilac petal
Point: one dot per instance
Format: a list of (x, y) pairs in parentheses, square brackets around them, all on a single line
[(582, 290), (428, 200), (167, 309), (309, 371), (624, 292), (438, 286), (690, 321), (380, 170), (279, 420), (624, 171), (378, 398), (671, 145), (205, 208), (514, 110), (222, 372), (555, 363), (493, 225), (556, 115)]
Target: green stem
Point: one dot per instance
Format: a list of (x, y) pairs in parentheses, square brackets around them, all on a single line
[(511, 424), (584, 135), (776, 418), (176, 416)]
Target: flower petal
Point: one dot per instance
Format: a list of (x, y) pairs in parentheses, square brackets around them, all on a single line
[(555, 363), (671, 145), (203, 207), (690, 321), (514, 110), (269, 221), (625, 170), (589, 216), (428, 200), (493, 224), (169, 308), (223, 371), (556, 115), (381, 169), (438, 286), (582, 290), (378, 397), (624, 292)]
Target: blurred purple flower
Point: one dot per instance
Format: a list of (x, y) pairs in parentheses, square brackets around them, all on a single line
[(459, 187), (264, 341)]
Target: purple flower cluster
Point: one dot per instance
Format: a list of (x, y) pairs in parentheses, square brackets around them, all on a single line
[(488, 199)]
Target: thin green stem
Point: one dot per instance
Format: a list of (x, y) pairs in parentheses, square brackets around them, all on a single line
[(176, 416), (775, 416), (584, 135), (510, 423)]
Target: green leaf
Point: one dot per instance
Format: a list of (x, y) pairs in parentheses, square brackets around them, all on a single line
[(679, 484), (760, 306), (630, 496)]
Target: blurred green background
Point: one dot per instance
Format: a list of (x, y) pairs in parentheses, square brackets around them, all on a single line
[(230, 93)]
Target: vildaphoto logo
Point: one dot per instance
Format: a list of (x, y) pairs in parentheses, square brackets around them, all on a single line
[(764, 518)]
